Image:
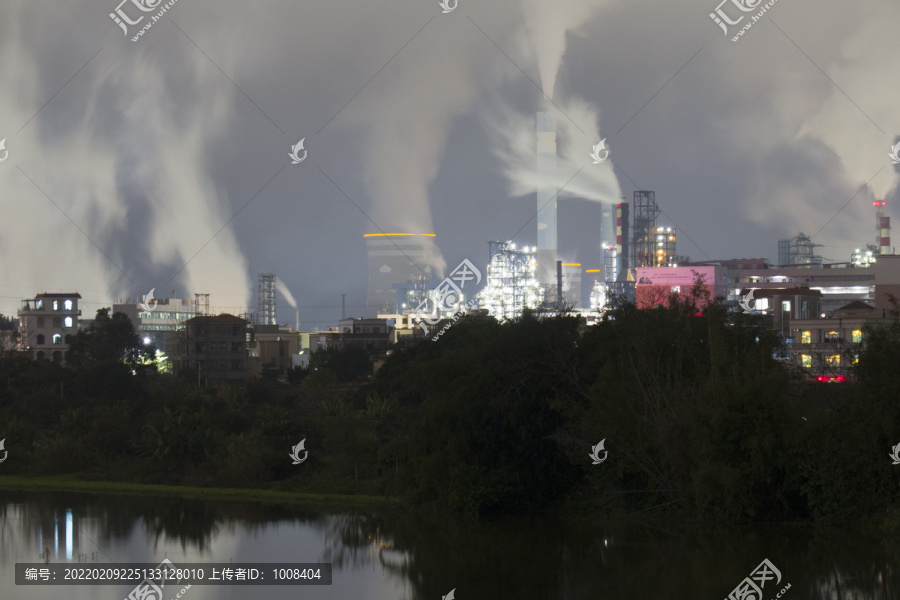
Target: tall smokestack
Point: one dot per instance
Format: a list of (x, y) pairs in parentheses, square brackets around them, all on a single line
[(623, 246), (882, 228), (546, 198)]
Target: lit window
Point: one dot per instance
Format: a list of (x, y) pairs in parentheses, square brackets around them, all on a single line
[(855, 359), (831, 336), (68, 304), (57, 338), (856, 336), (834, 359), (805, 337), (56, 305), (676, 289), (806, 361), (786, 305), (68, 321)]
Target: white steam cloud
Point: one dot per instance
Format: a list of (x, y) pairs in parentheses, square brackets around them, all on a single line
[(285, 292), (123, 156), (406, 118), (546, 27), (513, 135)]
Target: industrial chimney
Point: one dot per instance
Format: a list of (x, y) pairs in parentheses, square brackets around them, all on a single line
[(546, 199), (882, 228)]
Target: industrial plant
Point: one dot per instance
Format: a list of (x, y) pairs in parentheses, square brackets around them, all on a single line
[(816, 305)]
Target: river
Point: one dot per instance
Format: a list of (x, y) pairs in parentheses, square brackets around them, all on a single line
[(388, 555)]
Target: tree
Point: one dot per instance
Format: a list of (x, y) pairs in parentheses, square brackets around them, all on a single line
[(352, 364), (110, 339)]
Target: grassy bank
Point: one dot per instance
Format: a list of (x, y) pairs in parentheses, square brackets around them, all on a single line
[(71, 483)]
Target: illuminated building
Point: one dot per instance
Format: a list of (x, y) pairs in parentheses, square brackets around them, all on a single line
[(511, 283), (47, 324), (864, 258), (665, 247)]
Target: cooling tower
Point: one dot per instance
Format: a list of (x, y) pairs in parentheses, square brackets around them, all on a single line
[(395, 258)]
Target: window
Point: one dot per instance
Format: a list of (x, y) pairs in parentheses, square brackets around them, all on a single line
[(57, 322), (39, 305), (57, 339), (834, 359), (805, 337), (40, 339), (806, 361), (40, 321), (68, 322), (56, 305), (236, 365), (676, 289), (856, 336), (832, 336), (346, 330), (786, 306), (375, 330), (68, 340), (365, 330), (68, 304)]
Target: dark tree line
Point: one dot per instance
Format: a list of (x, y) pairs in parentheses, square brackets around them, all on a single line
[(699, 420)]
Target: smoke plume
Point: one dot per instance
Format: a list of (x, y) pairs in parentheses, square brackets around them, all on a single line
[(285, 292)]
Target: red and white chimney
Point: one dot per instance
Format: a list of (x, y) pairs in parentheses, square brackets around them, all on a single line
[(882, 228)]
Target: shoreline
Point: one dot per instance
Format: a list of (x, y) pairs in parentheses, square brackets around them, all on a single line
[(71, 483)]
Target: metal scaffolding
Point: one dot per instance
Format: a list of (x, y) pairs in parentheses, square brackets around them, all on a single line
[(644, 243), (265, 311), (511, 282)]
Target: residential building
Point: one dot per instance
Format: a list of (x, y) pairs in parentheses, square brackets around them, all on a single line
[(271, 345), (213, 346), (785, 305), (827, 348), (47, 324), (373, 335)]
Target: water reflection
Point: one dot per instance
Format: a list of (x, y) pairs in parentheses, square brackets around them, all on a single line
[(389, 555)]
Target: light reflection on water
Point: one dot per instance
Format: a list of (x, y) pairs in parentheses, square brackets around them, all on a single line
[(388, 555)]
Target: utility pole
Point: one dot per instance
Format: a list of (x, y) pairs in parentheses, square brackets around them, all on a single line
[(343, 311)]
